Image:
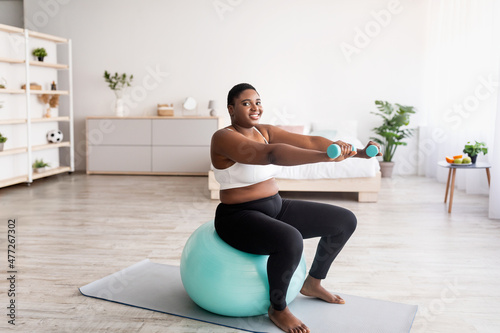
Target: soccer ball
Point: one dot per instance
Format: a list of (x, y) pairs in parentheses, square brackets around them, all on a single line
[(54, 136)]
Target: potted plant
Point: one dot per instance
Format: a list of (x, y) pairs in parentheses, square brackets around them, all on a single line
[(117, 83), (39, 165), (2, 141), (391, 132), (475, 149), (40, 53)]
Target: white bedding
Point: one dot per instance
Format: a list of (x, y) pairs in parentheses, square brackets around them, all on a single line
[(350, 168)]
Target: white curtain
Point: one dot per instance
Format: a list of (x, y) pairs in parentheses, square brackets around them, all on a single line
[(460, 86), (494, 211)]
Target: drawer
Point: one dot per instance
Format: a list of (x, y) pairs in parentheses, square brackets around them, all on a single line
[(187, 132), (130, 132), (181, 159), (120, 158)]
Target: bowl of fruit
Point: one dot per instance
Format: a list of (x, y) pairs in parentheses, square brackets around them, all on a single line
[(459, 160)]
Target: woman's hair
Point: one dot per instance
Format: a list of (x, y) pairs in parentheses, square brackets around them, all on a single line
[(236, 91)]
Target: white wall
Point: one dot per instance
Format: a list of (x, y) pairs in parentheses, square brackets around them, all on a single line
[(291, 51), (11, 12)]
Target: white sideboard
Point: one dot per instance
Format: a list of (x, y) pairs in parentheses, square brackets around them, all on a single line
[(149, 145)]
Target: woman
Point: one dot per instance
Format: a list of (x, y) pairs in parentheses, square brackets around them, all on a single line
[(253, 218)]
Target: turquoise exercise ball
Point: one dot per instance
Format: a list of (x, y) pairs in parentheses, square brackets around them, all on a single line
[(226, 281)]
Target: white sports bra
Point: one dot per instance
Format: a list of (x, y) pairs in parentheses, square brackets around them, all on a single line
[(241, 175)]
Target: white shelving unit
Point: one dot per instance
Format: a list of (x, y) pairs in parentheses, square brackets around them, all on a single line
[(22, 118)]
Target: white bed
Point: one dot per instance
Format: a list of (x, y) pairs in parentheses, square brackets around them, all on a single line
[(351, 175)]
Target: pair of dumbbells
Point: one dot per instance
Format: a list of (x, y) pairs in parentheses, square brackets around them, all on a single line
[(333, 150)]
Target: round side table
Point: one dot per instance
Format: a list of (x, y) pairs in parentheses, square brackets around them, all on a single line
[(451, 175)]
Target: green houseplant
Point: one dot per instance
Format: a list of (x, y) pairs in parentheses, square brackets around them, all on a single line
[(475, 149), (392, 132), (40, 53), (117, 83), (2, 141), (39, 165)]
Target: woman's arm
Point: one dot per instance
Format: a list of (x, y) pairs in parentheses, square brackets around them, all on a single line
[(230, 146), (278, 135)]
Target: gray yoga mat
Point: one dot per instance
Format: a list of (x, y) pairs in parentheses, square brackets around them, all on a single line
[(158, 287)]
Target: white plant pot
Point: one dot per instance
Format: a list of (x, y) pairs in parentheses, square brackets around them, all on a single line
[(386, 169), (39, 170)]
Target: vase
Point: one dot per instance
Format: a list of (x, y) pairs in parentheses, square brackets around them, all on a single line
[(40, 59), (473, 159), (1, 146), (39, 170), (48, 112), (386, 169), (119, 103), (3, 85)]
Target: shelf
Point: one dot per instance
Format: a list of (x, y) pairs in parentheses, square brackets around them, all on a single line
[(51, 146), (12, 121), (49, 92), (50, 172), (8, 28), (11, 91), (44, 120), (34, 63), (21, 150), (33, 120), (35, 92), (48, 37), (12, 60), (24, 178), (14, 180), (13, 151), (48, 65)]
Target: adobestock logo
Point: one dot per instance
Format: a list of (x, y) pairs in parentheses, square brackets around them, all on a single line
[(373, 28), (281, 116), (151, 81), (439, 305), (48, 9), (39, 19), (461, 111), (223, 6)]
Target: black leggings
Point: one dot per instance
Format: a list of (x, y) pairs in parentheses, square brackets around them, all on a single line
[(276, 227)]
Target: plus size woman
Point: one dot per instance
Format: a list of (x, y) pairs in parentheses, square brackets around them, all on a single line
[(252, 217)]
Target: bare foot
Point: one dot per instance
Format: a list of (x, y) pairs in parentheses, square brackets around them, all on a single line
[(286, 321), (312, 287)]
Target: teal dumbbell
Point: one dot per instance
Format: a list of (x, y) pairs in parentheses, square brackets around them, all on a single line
[(333, 151), (371, 150)]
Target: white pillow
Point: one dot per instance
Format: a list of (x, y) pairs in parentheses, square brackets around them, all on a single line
[(329, 134), (344, 127)]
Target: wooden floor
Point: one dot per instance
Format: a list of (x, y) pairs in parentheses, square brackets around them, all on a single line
[(74, 229)]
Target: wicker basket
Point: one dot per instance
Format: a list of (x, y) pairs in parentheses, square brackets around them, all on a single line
[(33, 86), (165, 110)]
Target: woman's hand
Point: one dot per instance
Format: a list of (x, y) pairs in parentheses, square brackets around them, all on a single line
[(346, 151), (362, 152)]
